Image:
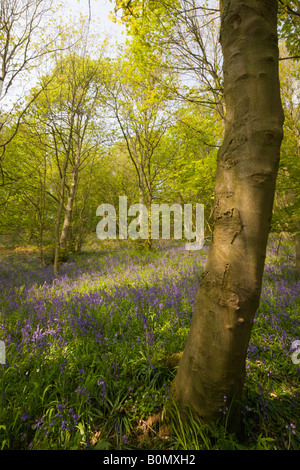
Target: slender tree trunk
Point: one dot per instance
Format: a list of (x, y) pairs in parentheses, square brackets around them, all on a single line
[(42, 212), (68, 213), (59, 214), (297, 237), (149, 241), (70, 204), (297, 240), (146, 201), (41, 241), (213, 363)]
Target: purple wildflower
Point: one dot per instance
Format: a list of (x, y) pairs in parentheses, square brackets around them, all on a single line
[(292, 428), (101, 384)]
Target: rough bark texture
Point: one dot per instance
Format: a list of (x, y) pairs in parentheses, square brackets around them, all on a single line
[(213, 363)]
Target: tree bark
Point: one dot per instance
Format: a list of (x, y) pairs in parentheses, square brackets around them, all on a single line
[(213, 363), (297, 236), (59, 214), (297, 243), (70, 203)]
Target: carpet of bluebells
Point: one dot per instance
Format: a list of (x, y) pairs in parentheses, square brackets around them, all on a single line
[(89, 352)]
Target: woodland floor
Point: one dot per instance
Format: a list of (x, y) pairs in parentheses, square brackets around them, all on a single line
[(91, 353)]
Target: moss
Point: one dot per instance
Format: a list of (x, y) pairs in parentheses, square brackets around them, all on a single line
[(172, 361)]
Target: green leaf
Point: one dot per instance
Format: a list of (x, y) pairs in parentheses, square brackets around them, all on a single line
[(103, 445)]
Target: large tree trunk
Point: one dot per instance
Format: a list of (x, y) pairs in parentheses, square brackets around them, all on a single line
[(213, 363)]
